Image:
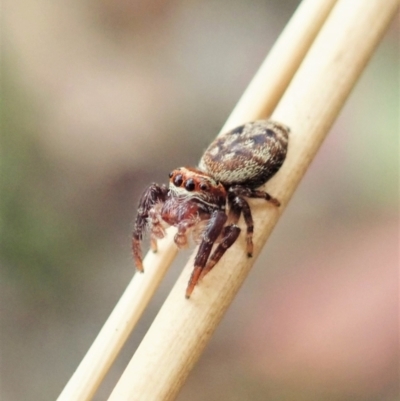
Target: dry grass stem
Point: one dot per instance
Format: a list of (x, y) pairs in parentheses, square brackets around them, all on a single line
[(311, 103), (258, 101), (271, 80)]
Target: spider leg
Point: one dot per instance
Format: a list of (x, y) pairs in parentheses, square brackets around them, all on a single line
[(157, 230), (154, 193), (181, 236), (216, 224), (239, 205), (229, 236), (253, 193), (153, 243)]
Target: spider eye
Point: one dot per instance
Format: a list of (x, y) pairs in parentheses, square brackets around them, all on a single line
[(178, 180), (203, 186), (190, 185), (170, 174)]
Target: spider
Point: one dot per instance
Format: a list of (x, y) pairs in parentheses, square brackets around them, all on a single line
[(197, 199)]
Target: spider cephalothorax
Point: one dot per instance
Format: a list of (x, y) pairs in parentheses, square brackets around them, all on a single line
[(195, 201)]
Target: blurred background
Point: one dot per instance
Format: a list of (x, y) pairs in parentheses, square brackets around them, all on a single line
[(100, 98)]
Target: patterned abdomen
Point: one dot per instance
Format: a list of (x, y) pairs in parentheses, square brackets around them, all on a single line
[(248, 155)]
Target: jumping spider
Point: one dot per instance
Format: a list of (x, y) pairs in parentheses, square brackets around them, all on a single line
[(195, 201)]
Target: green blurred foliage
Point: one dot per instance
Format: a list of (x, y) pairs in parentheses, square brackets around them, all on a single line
[(37, 234)]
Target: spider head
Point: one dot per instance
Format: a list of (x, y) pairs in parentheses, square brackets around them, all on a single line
[(192, 183)]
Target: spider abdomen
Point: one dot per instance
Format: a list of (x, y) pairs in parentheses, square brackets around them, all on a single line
[(248, 155)]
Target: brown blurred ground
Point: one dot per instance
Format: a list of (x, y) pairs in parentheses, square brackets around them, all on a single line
[(102, 98)]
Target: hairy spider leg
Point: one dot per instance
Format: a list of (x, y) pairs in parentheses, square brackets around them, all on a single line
[(155, 193), (254, 193), (153, 243), (211, 234), (157, 230), (181, 236), (229, 236), (240, 205)]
